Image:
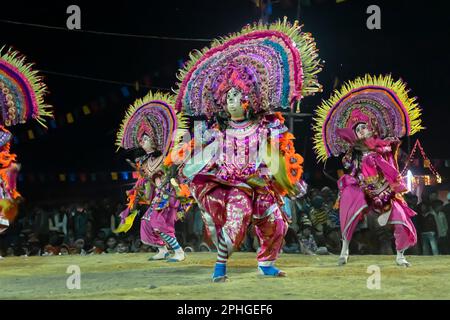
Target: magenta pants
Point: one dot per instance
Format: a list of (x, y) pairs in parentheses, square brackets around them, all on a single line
[(230, 209)]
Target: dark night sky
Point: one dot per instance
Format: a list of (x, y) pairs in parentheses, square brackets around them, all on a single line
[(412, 44)]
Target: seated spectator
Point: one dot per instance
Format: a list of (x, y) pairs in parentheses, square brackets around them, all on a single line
[(307, 243), (111, 245), (292, 244), (122, 247), (50, 250), (78, 248), (98, 247), (64, 250), (136, 245), (34, 245)]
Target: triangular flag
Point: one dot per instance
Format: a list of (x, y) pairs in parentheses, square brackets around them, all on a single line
[(72, 177), (69, 117), (124, 175), (52, 123), (125, 91), (30, 134), (86, 110), (114, 176), (83, 177)]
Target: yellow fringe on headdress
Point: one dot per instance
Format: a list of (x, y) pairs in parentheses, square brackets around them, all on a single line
[(398, 87), (304, 42), (183, 122), (40, 89)]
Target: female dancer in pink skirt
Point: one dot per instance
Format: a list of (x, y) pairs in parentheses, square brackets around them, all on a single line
[(151, 124), (364, 121)]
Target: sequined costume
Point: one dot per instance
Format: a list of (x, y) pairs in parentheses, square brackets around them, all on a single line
[(154, 117), (240, 170), (381, 107), (21, 100)]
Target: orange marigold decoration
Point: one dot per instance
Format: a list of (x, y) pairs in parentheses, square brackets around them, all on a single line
[(293, 160), (279, 116), (184, 191)]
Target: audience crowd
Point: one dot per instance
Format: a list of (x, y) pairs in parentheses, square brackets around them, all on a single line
[(87, 228)]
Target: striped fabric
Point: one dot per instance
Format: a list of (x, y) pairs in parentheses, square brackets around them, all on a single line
[(222, 251), (318, 217), (171, 241)]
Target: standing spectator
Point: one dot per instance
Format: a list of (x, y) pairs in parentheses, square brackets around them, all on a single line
[(58, 222), (114, 219), (70, 239), (428, 229), (80, 220), (41, 226), (441, 224), (412, 200)]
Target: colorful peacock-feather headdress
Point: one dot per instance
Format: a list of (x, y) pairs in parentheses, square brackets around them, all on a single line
[(380, 99), (21, 91), (276, 65), (154, 116)]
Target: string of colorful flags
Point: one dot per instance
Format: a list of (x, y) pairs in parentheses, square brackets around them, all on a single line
[(87, 177), (88, 109), (81, 177), (68, 118)]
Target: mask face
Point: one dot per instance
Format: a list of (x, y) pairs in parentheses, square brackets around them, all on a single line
[(234, 106), (363, 131), (147, 143)]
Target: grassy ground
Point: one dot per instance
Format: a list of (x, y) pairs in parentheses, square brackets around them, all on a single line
[(131, 276)]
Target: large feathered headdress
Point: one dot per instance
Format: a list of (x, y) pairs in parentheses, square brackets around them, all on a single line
[(380, 102), (154, 116), (276, 64), (21, 91)]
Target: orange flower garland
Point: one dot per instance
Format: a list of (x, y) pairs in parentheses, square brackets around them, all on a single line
[(293, 160), (178, 156)]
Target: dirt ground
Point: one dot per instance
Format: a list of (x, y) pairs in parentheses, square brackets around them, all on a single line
[(131, 276)]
